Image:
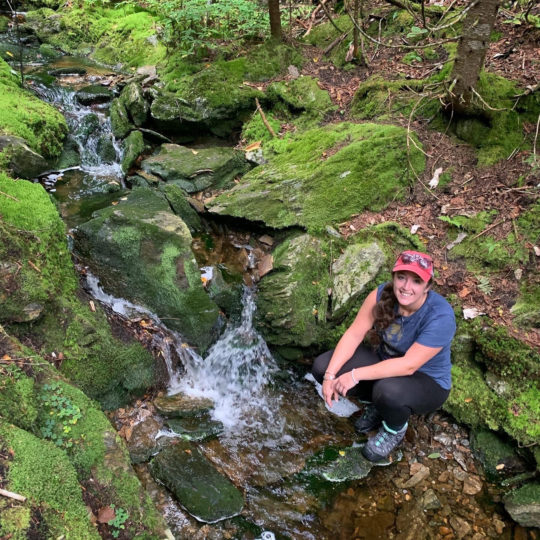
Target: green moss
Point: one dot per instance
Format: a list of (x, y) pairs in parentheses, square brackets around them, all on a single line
[(26, 116), (255, 129), (323, 176), (15, 522), (43, 474), (17, 397), (33, 236), (527, 307), (324, 34)]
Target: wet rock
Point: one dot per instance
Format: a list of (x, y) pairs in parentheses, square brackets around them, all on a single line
[(105, 149), (181, 205), (195, 170), (120, 124), (70, 70), (136, 106), (460, 526), (195, 429), (70, 156), (429, 500), (89, 125), (418, 477), (182, 405), (411, 523), (523, 504), (142, 252), (201, 490), (142, 443), (498, 458), (94, 93), (23, 161), (444, 439), (472, 485), (133, 148), (31, 312), (353, 271)]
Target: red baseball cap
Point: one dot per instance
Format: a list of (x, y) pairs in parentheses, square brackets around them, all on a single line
[(417, 262)]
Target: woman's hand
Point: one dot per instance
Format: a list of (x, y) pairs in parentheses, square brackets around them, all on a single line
[(344, 383), (329, 392)]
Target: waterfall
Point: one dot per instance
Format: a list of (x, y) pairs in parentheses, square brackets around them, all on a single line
[(234, 374)]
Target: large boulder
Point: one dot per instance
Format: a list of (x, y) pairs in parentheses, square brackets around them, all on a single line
[(141, 252), (523, 504), (195, 170), (23, 162), (136, 105), (205, 493), (324, 176)]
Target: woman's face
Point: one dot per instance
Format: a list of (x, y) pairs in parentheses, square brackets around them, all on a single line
[(410, 290)]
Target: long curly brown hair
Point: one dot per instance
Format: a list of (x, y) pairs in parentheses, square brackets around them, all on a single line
[(384, 313)]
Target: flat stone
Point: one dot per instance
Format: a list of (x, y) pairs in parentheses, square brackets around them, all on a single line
[(182, 405), (472, 485), (205, 493), (429, 500), (460, 526), (195, 429), (421, 475), (94, 93)]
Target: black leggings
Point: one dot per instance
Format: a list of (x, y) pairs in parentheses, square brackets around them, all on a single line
[(396, 398)]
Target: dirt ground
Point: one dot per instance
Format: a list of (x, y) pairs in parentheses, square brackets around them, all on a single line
[(472, 189)]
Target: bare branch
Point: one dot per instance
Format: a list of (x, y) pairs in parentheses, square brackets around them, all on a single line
[(263, 117), (12, 495)]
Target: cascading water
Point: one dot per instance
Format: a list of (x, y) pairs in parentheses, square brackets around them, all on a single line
[(234, 374)]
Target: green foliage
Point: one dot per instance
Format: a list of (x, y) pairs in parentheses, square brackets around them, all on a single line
[(118, 522), (61, 415), (195, 24), (255, 129)]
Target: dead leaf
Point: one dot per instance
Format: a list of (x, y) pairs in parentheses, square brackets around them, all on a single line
[(434, 182), (92, 306), (468, 400), (114, 203), (414, 228), (471, 313), (500, 466), (6, 357), (464, 292), (194, 152), (253, 146), (105, 514)]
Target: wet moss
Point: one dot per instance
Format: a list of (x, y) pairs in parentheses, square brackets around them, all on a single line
[(43, 474), (26, 116), (17, 397), (255, 130)]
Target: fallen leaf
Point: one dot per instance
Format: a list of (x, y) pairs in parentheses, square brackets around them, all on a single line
[(471, 313), (500, 466), (253, 146), (105, 514), (194, 152), (458, 240), (114, 203), (464, 292), (92, 306), (414, 228), (187, 451), (468, 400), (434, 182), (435, 455), (6, 357), (536, 251), (342, 452)]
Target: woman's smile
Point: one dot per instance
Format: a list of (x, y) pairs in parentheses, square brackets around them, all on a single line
[(410, 291)]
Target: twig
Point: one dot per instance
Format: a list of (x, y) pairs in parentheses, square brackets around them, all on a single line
[(34, 266), (9, 196), (312, 19), (518, 239), (12, 495), (483, 101), (489, 228), (326, 12), (336, 41), (536, 138), (263, 117)]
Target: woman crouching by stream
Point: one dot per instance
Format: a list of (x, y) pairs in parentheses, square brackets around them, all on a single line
[(408, 371)]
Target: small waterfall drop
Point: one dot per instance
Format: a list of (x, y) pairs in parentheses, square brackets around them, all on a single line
[(234, 374)]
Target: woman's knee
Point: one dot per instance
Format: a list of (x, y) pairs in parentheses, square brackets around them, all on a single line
[(388, 393), (320, 364)]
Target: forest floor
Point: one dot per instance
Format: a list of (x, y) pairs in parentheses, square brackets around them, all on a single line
[(472, 189)]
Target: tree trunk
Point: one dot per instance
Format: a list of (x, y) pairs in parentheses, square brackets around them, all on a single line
[(275, 19), (471, 53)]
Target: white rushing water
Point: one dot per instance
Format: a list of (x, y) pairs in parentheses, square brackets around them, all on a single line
[(234, 374)]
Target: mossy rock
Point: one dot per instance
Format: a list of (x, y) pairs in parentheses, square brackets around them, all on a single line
[(25, 116), (324, 176), (294, 308), (133, 148), (120, 122), (36, 267), (523, 505), (93, 94), (202, 490), (193, 171), (178, 199), (141, 251), (21, 160), (302, 95), (324, 34), (135, 104)]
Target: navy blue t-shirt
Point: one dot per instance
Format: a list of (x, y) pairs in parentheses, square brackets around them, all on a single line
[(433, 325)]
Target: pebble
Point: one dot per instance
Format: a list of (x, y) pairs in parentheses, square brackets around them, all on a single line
[(460, 526), (472, 485), (422, 474)]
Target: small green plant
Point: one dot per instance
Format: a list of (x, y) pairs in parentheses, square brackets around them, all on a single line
[(62, 415), (484, 285), (119, 522), (455, 221)]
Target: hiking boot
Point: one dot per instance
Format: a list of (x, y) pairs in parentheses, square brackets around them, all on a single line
[(379, 446), (370, 419)]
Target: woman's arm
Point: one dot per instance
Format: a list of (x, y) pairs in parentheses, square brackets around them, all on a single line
[(348, 343), (415, 357)]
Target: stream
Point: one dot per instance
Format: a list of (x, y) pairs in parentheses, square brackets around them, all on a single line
[(276, 434)]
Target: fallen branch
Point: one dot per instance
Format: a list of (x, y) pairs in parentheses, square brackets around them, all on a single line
[(9, 196), (263, 117), (487, 229), (12, 495), (312, 19), (329, 15), (34, 266), (336, 42)]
